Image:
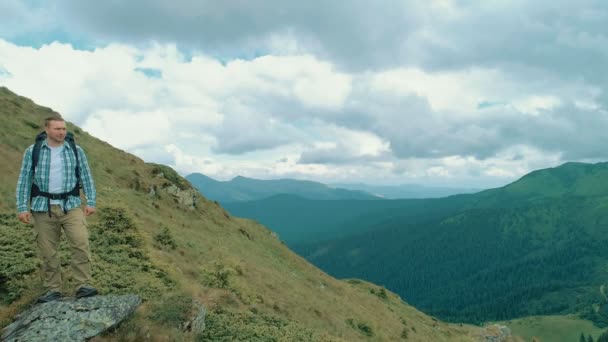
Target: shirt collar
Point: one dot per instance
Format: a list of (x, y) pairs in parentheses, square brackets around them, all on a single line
[(65, 145)]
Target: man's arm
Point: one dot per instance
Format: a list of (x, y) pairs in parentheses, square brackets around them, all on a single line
[(24, 186), (88, 185)]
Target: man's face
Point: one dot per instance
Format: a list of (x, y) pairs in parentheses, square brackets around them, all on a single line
[(56, 132)]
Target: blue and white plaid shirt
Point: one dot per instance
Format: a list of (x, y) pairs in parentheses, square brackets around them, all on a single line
[(39, 203)]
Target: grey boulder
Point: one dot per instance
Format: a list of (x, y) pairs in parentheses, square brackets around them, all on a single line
[(71, 319)]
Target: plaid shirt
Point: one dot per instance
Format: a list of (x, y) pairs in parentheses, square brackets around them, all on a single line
[(39, 203)]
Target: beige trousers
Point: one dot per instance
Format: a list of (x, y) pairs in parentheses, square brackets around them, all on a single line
[(48, 234)]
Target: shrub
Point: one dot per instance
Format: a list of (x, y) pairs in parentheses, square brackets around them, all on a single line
[(18, 258), (222, 325), (173, 311), (120, 261), (365, 329), (164, 238)]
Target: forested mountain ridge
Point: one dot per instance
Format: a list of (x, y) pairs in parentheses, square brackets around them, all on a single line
[(145, 239), (536, 246), (570, 179)]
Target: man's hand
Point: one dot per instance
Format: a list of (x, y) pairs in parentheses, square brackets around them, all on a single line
[(88, 211), (25, 217)]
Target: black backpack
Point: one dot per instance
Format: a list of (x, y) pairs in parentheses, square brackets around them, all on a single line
[(35, 191)]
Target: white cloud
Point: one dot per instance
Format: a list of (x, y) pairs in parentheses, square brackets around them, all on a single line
[(129, 130), (408, 92), (534, 104), (449, 92)]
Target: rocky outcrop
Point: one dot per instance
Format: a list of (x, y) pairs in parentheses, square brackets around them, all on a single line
[(497, 333), (197, 324), (185, 198), (71, 319)]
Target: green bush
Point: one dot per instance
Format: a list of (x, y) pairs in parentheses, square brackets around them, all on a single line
[(219, 277), (173, 311), (164, 238), (224, 326), (18, 259), (120, 262), (365, 329), (380, 293)]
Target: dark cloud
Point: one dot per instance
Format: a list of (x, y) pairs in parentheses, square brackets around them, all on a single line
[(356, 32), (326, 156), (338, 155), (576, 133), (564, 36), (414, 130), (243, 132)]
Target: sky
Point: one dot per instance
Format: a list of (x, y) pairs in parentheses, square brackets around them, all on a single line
[(441, 93)]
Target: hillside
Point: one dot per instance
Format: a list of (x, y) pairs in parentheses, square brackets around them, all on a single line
[(248, 189), (537, 246), (156, 237)]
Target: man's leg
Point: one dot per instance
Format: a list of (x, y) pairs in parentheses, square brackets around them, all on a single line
[(77, 234), (48, 234)]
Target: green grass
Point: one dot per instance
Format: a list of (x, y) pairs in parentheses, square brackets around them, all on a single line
[(553, 328)]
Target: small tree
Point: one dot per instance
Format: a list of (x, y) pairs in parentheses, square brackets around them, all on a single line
[(603, 337), (589, 338)]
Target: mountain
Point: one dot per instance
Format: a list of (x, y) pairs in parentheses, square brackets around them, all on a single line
[(406, 190), (536, 246), (155, 236), (247, 189), (298, 220)]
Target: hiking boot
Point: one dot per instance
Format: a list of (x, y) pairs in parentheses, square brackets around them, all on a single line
[(86, 291), (49, 297)]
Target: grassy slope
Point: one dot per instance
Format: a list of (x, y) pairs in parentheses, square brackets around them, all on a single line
[(566, 328), (252, 284)]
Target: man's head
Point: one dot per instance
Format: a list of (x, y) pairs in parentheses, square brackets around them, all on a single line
[(55, 130)]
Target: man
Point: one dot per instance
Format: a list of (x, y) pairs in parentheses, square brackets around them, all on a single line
[(55, 205)]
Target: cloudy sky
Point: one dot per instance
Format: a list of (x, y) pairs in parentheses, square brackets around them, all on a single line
[(457, 93)]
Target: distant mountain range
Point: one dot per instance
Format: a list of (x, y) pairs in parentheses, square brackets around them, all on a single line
[(241, 189), (406, 190), (536, 246)]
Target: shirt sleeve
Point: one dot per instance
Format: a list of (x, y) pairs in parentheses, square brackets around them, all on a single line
[(24, 183), (87, 179)]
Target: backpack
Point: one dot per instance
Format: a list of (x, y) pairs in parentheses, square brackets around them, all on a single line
[(35, 191)]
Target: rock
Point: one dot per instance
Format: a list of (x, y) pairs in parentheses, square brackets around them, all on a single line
[(496, 333), (186, 198), (198, 323), (71, 319)]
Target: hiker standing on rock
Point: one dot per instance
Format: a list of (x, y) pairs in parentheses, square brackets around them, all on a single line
[(52, 172)]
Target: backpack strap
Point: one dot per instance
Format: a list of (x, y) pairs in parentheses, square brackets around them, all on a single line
[(70, 139), (36, 151)]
